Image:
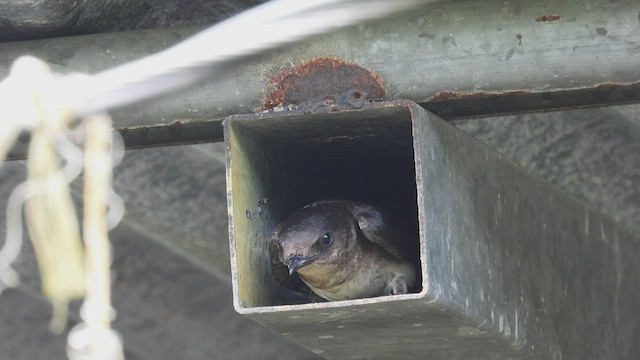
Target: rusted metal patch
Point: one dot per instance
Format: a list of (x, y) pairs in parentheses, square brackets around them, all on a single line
[(322, 85), (458, 105), (548, 18), (447, 95)]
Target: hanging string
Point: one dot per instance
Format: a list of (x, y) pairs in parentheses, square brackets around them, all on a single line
[(94, 339), (49, 209)]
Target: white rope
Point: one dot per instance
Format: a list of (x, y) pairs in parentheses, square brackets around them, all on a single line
[(264, 28), (30, 88), (94, 339)]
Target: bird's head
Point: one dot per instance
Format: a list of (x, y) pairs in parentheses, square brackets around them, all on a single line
[(318, 235)]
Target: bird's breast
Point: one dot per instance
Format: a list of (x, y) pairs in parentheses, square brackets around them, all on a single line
[(358, 279)]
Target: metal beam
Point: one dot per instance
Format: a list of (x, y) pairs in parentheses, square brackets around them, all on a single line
[(458, 59)]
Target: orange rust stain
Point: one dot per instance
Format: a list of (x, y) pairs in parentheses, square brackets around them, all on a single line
[(610, 85), (448, 95), (548, 18), (445, 95), (318, 78)]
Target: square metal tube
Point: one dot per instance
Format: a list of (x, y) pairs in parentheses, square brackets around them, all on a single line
[(511, 266)]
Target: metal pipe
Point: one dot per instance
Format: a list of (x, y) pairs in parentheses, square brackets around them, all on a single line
[(456, 58)]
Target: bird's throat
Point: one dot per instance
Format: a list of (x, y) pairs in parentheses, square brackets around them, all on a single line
[(321, 275)]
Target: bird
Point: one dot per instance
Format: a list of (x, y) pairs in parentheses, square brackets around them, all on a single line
[(341, 250)]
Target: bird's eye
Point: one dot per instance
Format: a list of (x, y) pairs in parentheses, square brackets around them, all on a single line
[(326, 239)]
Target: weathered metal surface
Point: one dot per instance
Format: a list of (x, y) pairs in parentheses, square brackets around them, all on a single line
[(587, 56), (512, 267), (592, 154), (451, 106), (321, 83), (551, 273)]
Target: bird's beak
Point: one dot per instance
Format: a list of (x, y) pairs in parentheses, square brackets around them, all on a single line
[(297, 262)]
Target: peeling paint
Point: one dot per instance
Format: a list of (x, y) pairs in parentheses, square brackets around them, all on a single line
[(325, 83), (547, 18)]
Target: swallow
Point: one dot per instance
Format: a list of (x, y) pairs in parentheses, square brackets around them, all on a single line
[(341, 250)]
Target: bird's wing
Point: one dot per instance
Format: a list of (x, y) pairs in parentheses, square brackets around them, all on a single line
[(379, 227)]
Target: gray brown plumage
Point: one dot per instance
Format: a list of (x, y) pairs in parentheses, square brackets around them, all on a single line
[(341, 250)]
